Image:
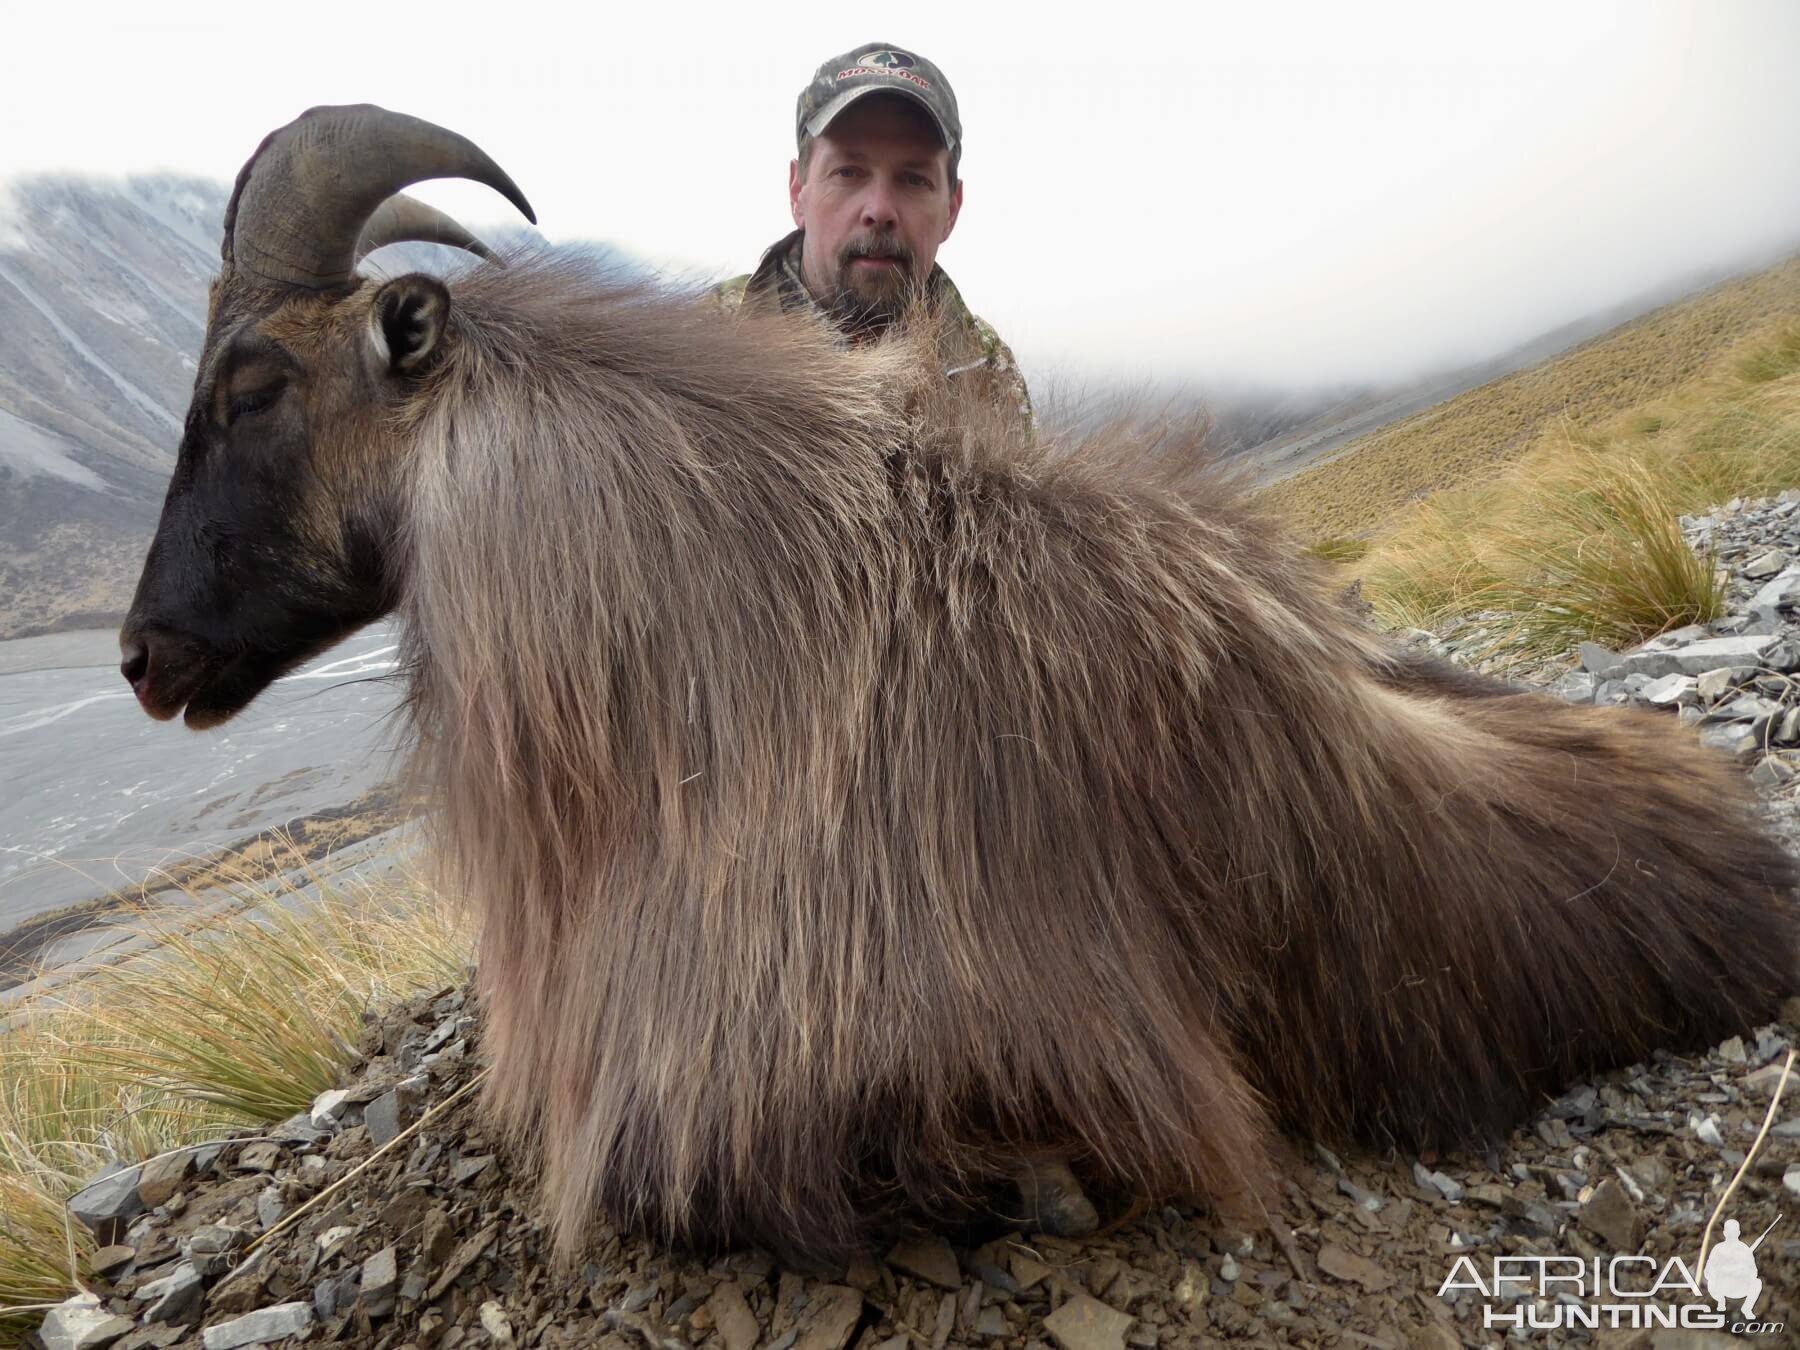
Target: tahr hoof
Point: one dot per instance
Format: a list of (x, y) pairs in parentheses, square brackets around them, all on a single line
[(1052, 1201)]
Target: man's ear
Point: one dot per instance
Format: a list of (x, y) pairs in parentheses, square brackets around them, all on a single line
[(794, 194), (406, 323), (955, 209)]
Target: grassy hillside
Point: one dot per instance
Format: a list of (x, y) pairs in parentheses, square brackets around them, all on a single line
[(1476, 435), (1546, 502)]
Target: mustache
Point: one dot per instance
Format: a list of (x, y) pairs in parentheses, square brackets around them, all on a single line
[(883, 245)]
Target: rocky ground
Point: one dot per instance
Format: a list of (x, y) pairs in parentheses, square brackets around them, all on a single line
[(388, 1217), (1738, 678)]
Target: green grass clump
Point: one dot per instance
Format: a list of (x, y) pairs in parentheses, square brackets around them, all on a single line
[(240, 1016), (1605, 562), (1779, 358), (1338, 550), (1585, 546)]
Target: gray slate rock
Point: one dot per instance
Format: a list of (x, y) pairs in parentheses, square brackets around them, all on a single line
[(1669, 690), (260, 1327), (465, 1170), (1677, 637), (262, 1156), (297, 1129), (1713, 685), (337, 1292), (1745, 708), (380, 1275), (1787, 731), (81, 1323), (328, 1108), (1436, 1181), (218, 1237), (1770, 772), (1602, 662), (1784, 656), (1577, 686), (160, 1177), (1696, 658), (174, 1298), (1781, 593), (392, 1111), (1735, 738), (269, 1207), (108, 1202)]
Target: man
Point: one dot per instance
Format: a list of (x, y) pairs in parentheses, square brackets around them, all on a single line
[(874, 190)]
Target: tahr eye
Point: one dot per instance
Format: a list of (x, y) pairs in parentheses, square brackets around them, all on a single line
[(257, 400)]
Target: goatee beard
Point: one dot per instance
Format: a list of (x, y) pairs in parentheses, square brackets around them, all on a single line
[(868, 302)]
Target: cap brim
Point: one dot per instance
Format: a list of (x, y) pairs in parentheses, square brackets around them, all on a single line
[(816, 124)]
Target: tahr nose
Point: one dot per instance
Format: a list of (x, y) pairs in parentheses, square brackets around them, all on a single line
[(135, 662)]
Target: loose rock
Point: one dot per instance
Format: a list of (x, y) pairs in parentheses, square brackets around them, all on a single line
[(1610, 1216), (929, 1260), (81, 1323), (260, 1327), (1085, 1323), (107, 1202)]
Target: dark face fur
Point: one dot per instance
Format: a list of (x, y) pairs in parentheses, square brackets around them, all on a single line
[(276, 534)]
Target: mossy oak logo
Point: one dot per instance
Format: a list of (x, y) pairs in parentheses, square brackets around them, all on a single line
[(1555, 1293), (897, 64)]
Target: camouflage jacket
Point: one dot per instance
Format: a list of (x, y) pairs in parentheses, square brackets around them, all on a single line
[(976, 351)]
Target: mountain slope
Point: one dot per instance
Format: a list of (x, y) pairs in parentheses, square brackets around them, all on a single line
[(1478, 432), (102, 303)]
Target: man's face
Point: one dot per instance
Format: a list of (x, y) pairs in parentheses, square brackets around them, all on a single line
[(875, 204)]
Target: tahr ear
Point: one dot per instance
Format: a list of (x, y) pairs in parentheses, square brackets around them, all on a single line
[(406, 323)]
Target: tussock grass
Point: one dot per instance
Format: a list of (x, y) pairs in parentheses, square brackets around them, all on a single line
[(1338, 550), (241, 1014), (1578, 539), (1782, 357), (1479, 433)]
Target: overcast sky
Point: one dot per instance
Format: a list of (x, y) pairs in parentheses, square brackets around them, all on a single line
[(1290, 193)]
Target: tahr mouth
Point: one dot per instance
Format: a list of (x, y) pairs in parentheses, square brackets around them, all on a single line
[(177, 676), (228, 692)]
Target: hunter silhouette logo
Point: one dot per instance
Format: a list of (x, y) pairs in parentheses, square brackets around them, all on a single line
[(1730, 1272)]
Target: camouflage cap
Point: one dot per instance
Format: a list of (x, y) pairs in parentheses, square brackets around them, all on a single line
[(878, 69)]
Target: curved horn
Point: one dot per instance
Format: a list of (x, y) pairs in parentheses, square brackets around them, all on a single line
[(302, 200), (401, 219)]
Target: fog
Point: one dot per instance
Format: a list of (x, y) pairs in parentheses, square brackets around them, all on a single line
[(1271, 195)]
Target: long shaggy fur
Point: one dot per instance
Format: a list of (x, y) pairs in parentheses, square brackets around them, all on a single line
[(859, 800)]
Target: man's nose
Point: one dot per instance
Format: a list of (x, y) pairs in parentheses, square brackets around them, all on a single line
[(878, 207)]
